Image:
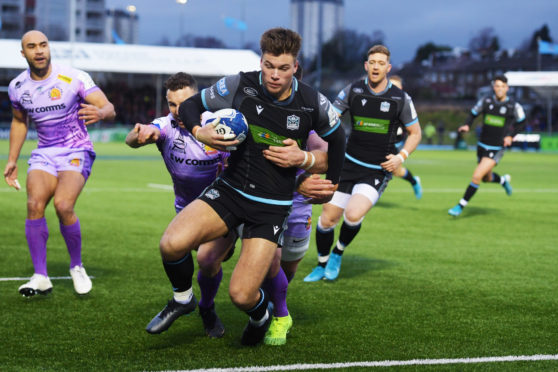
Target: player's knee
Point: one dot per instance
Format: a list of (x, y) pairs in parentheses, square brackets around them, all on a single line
[(241, 297), (63, 207), (352, 217), (208, 263), (477, 179), (327, 221), (170, 247), (35, 206)]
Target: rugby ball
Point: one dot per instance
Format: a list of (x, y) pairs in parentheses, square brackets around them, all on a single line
[(232, 124)]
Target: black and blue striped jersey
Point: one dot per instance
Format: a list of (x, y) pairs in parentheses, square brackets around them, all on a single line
[(270, 122), (375, 118), (500, 119)]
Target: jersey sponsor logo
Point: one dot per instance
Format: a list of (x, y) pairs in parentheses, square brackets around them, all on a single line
[(259, 109), (26, 98), (384, 106), (211, 93), (267, 137), (55, 94), (396, 97), (307, 109), (249, 91), (503, 110), (494, 120), (194, 162), (363, 101), (371, 125), (341, 95), (293, 122), (65, 79), (212, 194), (74, 162), (358, 90), (222, 88), (50, 108), (17, 84), (275, 230)]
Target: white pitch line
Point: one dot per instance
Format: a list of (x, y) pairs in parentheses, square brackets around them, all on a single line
[(159, 186), (385, 363), (50, 277)]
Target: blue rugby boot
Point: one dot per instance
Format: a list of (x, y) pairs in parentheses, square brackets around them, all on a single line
[(316, 275), (456, 211), (333, 266), (417, 188), (507, 184)]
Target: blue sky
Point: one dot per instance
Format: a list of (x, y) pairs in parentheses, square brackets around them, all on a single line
[(406, 24)]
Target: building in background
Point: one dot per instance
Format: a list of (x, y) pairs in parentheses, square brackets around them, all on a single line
[(92, 22), (121, 26), (316, 21), (11, 18)]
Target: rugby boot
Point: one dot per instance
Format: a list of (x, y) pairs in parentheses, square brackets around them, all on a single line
[(277, 332), (456, 211), (507, 184), (211, 322), (317, 274), (333, 266), (417, 188), (82, 282), (162, 321), (38, 284), (252, 334)]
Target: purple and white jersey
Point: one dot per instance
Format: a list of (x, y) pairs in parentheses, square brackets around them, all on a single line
[(53, 104), (299, 223), (191, 164)]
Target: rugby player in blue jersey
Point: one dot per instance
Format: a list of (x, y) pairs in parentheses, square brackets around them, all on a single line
[(252, 190), (502, 119), (377, 109)]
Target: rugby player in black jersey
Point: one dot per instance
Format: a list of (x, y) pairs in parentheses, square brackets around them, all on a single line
[(377, 109), (252, 191), (501, 121)]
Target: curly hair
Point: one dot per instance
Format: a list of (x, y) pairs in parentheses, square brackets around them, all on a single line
[(181, 80)]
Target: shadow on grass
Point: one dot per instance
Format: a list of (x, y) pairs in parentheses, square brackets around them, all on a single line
[(355, 265)]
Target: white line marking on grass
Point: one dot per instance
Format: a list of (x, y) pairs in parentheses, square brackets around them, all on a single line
[(515, 190), (385, 363), (51, 277), (159, 186)]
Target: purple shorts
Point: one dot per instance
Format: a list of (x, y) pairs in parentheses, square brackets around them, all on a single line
[(59, 159)]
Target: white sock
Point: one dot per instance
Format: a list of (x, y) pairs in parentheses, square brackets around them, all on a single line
[(183, 297), (258, 323)]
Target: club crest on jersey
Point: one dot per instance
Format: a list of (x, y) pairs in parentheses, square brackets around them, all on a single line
[(503, 110), (55, 94), (293, 122), (209, 150), (74, 162), (212, 194), (384, 106), (259, 109), (363, 101)]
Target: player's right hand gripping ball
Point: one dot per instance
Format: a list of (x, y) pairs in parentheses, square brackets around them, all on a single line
[(232, 124)]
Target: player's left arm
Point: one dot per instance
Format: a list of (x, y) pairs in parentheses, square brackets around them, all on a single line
[(516, 126), (96, 108), (414, 134)]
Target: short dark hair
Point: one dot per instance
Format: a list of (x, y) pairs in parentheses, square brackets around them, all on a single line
[(181, 80), (277, 41), (379, 49), (502, 78)]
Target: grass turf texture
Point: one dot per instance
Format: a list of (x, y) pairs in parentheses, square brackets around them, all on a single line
[(415, 283)]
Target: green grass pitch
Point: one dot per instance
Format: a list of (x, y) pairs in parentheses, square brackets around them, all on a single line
[(415, 283)]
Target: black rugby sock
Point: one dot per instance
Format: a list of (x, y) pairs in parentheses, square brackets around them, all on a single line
[(346, 235), (496, 178), (324, 241), (180, 273), (409, 177)]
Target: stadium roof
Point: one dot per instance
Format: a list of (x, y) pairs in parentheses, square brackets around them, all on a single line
[(545, 83), (140, 59)]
